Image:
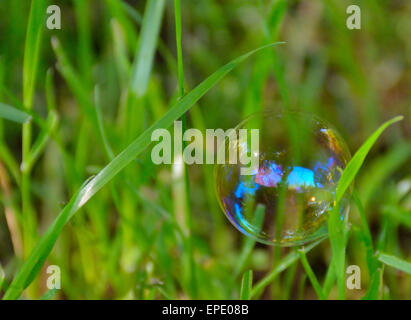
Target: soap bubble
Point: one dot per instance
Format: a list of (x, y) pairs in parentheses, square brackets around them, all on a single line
[(287, 198)]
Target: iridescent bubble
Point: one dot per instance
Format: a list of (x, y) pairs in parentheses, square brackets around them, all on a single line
[(287, 198)]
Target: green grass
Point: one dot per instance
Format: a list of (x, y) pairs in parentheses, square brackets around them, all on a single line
[(246, 285), (394, 262), (77, 109), (13, 114), (314, 281), (146, 47), (336, 226), (93, 185)]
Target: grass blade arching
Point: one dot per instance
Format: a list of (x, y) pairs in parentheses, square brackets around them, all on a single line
[(286, 262), (357, 160), (37, 257), (336, 228), (310, 273)]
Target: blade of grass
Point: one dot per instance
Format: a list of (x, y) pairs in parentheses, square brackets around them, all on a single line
[(50, 91), (400, 214), (10, 162), (34, 34), (49, 294), (146, 47), (380, 169), (80, 91), (13, 114), (219, 242), (289, 280), (118, 11), (329, 280), (336, 226), (177, 13), (286, 262), (249, 241), (357, 160), (246, 285), (394, 262), (311, 275), (37, 257), (2, 277), (182, 180), (41, 141), (383, 234), (84, 51), (107, 147), (375, 284), (163, 50), (35, 261), (35, 117), (366, 235), (132, 12), (301, 286)]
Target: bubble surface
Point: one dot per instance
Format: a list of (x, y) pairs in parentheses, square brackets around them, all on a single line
[(286, 200)]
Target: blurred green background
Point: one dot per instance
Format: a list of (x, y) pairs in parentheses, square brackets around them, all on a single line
[(139, 238)]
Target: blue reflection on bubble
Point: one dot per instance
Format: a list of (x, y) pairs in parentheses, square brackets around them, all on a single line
[(300, 177), (243, 189), (297, 193)]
